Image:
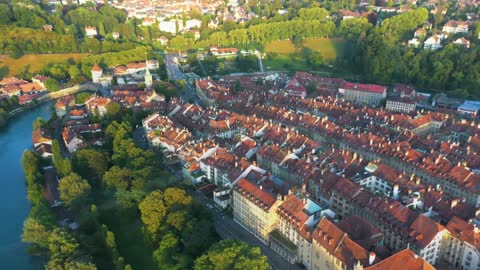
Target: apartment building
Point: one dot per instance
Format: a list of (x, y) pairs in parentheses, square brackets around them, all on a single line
[(297, 217), (333, 249), (462, 245), (255, 209), (370, 94)]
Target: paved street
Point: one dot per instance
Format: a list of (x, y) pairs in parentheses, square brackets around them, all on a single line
[(227, 228), (174, 73)]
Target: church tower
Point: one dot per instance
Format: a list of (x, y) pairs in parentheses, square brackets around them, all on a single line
[(96, 73), (148, 78)]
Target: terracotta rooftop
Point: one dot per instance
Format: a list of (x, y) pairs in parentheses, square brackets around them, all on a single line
[(404, 259), (339, 244), (41, 135), (255, 194), (464, 232), (373, 88), (96, 68)]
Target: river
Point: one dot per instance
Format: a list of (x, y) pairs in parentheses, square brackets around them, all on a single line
[(14, 206)]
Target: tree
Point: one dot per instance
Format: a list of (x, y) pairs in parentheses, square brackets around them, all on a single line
[(153, 212), (82, 97), (197, 236), (74, 71), (63, 165), (176, 196), (113, 110), (38, 123), (118, 178), (5, 14), (3, 118), (232, 254), (34, 232), (52, 85), (90, 164), (166, 255), (73, 189)]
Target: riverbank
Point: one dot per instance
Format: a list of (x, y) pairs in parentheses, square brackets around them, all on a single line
[(51, 96), (14, 207)]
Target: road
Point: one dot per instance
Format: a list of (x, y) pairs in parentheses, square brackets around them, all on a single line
[(227, 228), (175, 74)]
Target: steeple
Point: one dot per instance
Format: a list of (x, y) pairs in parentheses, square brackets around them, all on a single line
[(148, 76)]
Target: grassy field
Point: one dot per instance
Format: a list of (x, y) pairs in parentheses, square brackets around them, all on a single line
[(282, 62), (35, 61), (329, 48)]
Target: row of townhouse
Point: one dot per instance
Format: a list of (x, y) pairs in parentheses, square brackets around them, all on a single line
[(295, 227)]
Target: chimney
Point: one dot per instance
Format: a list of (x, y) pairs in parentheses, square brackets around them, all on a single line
[(371, 258), (395, 191), (453, 203)]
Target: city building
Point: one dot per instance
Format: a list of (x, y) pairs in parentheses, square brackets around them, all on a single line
[(297, 218), (462, 245), (463, 42), (97, 105), (223, 52), (255, 209), (401, 99), (333, 249), (405, 259), (434, 42), (363, 93), (455, 27), (90, 31)]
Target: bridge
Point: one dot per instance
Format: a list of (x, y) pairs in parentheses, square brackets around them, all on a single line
[(54, 95), (68, 91)]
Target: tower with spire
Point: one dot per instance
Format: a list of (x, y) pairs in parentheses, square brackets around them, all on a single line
[(96, 73), (148, 76)]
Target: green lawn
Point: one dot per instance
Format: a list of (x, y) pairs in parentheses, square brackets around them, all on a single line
[(36, 61), (330, 48), (283, 62)]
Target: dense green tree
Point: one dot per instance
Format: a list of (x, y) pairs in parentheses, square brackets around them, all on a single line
[(308, 14), (52, 85), (38, 123), (33, 176), (153, 212), (73, 190), (34, 232), (117, 178), (5, 14), (63, 165), (90, 164), (114, 111), (3, 118), (197, 236), (74, 72), (231, 254), (401, 26), (166, 255), (82, 97)]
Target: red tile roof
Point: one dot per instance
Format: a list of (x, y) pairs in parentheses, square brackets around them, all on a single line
[(373, 88), (404, 259), (464, 232), (96, 68), (255, 194), (339, 244)]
